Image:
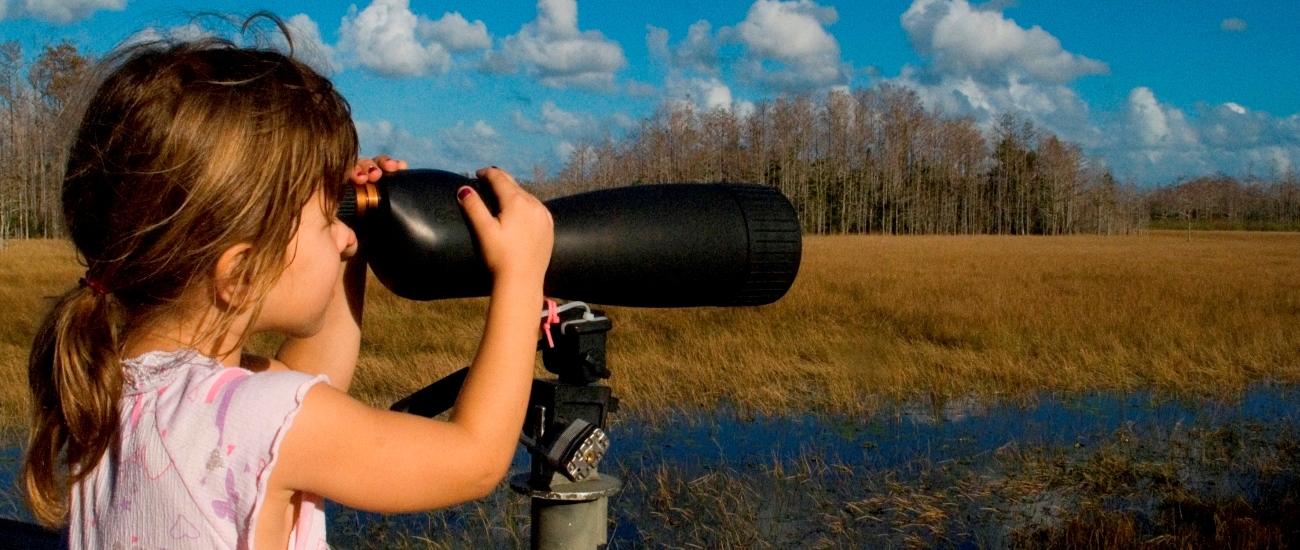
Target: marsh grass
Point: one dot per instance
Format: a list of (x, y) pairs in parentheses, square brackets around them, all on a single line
[(875, 319), (499, 520), (32, 274), (871, 320), (1168, 487), (1151, 487), (1175, 224)]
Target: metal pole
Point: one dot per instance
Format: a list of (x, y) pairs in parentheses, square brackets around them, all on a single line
[(569, 515)]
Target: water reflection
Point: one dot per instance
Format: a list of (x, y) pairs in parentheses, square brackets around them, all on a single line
[(942, 430), (908, 439)]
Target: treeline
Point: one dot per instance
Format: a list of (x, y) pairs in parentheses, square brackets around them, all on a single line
[(33, 96), (874, 161), (1223, 202), (870, 161)]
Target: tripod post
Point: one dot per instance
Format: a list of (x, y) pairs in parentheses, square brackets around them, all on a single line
[(564, 433)]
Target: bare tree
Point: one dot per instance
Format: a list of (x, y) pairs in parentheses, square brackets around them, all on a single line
[(33, 136)]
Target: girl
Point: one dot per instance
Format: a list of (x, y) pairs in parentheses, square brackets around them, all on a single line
[(200, 193)]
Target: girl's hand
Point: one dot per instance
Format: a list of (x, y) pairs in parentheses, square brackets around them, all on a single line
[(517, 242), (370, 170)]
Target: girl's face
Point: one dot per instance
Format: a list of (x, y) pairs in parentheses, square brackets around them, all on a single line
[(297, 303)]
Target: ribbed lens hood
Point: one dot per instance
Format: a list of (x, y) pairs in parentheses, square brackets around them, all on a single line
[(670, 245)]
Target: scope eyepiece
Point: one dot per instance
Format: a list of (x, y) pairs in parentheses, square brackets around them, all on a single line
[(357, 200)]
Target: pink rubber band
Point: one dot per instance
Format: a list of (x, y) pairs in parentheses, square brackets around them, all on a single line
[(551, 318)]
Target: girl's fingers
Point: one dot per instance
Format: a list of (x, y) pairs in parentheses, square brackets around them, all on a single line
[(389, 164), (503, 184), (518, 240), (370, 170), (364, 171), (479, 215)]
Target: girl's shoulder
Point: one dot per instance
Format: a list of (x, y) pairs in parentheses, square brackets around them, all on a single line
[(153, 370), (186, 384), (190, 402)]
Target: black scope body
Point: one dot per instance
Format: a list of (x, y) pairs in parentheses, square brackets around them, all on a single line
[(663, 245)]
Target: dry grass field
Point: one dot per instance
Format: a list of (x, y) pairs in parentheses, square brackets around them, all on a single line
[(870, 320)]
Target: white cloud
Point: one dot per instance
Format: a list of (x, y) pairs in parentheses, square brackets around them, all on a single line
[(455, 33), (1154, 125), (641, 89), (1055, 108), (472, 146), (572, 126), (656, 41), (390, 40), (463, 148), (1157, 142), (984, 44), (743, 109), (308, 46), (787, 46), (564, 150), (60, 12), (382, 136), (705, 94), (983, 64), (1233, 127), (555, 121), (624, 122), (184, 33), (552, 49), (698, 52), (1233, 24)]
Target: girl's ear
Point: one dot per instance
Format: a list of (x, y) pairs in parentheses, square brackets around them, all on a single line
[(228, 285)]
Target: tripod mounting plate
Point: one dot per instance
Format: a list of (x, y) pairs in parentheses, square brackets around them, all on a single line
[(592, 488)]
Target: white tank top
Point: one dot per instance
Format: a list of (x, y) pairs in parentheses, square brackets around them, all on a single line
[(197, 444)]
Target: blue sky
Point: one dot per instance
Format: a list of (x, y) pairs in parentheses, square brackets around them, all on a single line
[(1152, 90)]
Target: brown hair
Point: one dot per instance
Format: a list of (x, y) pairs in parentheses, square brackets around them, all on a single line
[(184, 150)]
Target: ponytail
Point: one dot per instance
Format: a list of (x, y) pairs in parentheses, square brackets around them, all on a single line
[(76, 376)]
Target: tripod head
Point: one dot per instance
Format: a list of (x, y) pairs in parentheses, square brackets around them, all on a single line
[(564, 430)]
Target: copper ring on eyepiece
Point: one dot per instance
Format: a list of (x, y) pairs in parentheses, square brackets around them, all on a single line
[(367, 198)]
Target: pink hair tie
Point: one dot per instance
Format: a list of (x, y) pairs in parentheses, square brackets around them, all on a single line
[(95, 286)]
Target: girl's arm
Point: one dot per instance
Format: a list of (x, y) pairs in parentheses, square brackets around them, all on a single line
[(390, 462), (333, 350)]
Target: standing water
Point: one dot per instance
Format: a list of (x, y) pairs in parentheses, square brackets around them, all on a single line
[(963, 473)]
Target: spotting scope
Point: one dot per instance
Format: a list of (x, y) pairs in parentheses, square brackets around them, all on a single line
[(662, 245)]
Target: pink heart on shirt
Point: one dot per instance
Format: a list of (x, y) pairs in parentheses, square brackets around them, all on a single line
[(183, 529), (154, 464)]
